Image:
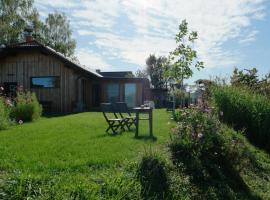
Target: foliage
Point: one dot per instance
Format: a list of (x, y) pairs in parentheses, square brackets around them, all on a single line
[(184, 57), (249, 78), (155, 68), (58, 34), (211, 154), (14, 17), (27, 107), (129, 75), (205, 86), (245, 110), (153, 177), (17, 17), (180, 96), (141, 73), (4, 118)]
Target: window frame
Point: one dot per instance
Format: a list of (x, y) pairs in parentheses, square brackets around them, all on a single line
[(57, 85)]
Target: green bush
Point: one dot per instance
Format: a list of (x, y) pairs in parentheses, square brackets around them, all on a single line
[(211, 154), (27, 107), (246, 110), (196, 141), (153, 178), (4, 118)]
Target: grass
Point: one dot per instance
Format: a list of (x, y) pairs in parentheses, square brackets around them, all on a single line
[(73, 151), (71, 157)]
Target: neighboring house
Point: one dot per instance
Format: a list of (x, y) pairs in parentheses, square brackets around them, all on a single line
[(62, 85)]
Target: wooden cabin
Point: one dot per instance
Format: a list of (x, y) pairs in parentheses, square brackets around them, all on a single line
[(62, 85)]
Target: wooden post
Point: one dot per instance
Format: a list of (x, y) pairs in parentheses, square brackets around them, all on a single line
[(151, 122), (137, 124)]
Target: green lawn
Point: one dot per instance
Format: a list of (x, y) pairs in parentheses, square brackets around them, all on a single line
[(73, 150), (71, 157)]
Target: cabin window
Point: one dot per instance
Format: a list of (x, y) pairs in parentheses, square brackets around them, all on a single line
[(113, 92), (45, 82), (130, 94)]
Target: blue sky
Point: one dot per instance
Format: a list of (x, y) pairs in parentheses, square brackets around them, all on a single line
[(118, 35)]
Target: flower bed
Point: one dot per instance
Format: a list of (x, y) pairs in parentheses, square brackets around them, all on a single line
[(22, 108)]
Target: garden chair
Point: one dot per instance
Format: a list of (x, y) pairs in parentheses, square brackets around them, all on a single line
[(124, 112), (114, 122)]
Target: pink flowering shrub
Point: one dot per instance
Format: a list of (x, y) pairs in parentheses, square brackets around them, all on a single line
[(206, 149), (26, 107)]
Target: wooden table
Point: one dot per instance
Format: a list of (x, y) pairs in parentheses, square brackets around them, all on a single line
[(148, 110)]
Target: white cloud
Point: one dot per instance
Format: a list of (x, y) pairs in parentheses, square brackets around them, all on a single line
[(91, 60), (249, 38), (155, 22)]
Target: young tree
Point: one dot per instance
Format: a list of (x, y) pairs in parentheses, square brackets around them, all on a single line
[(58, 34), (184, 57)]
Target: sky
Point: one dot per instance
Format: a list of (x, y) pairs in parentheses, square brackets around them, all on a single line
[(118, 35)]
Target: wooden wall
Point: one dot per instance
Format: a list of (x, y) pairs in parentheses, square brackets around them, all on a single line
[(21, 66)]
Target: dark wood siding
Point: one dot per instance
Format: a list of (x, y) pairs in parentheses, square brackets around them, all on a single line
[(21, 66), (24, 65)]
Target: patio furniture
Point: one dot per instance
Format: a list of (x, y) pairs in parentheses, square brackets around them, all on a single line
[(147, 110), (122, 109), (114, 123), (150, 104)]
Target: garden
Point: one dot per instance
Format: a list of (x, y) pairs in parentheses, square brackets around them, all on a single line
[(217, 148), (199, 152)]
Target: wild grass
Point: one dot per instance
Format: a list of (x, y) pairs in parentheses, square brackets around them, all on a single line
[(246, 110)]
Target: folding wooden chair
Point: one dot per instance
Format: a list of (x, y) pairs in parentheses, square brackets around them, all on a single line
[(122, 109), (113, 121)]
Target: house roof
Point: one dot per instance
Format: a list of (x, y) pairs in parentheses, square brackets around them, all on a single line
[(37, 45), (116, 74), (34, 44)]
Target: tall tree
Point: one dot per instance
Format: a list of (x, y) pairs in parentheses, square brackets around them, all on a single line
[(17, 16), (141, 73), (155, 67), (247, 77), (58, 34), (14, 17), (184, 57)]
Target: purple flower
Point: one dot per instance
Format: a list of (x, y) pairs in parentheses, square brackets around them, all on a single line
[(206, 110)]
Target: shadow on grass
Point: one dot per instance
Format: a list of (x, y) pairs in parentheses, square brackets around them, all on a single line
[(53, 115), (146, 138), (216, 181)]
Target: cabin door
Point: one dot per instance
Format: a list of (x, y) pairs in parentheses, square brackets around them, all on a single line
[(83, 88), (95, 95)]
